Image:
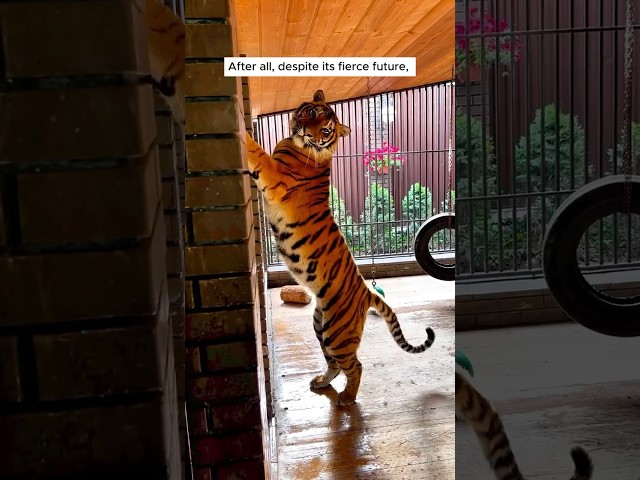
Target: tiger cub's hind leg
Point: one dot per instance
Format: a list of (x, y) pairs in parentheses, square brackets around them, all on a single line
[(321, 381), (352, 368)]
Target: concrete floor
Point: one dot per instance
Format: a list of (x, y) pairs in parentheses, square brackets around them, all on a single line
[(401, 427), (556, 386)]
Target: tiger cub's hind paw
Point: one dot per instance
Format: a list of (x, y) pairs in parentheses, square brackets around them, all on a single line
[(345, 399)]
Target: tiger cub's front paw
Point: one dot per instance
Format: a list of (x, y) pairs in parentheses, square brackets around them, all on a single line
[(320, 381)]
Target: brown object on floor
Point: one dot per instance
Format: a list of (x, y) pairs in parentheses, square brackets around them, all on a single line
[(294, 294)]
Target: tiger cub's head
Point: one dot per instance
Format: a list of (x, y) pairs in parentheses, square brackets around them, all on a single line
[(316, 129)]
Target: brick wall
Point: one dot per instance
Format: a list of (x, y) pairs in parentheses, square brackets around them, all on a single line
[(225, 371), (503, 302), (170, 139), (261, 261), (87, 379)]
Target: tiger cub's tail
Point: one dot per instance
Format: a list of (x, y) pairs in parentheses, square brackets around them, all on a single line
[(476, 410), (393, 324)]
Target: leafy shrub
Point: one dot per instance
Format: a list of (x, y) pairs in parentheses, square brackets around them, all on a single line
[(377, 235), (635, 152), (552, 137), (342, 218), (417, 206), (470, 158)]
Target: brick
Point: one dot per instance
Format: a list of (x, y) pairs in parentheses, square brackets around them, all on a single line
[(198, 421), (236, 417), (215, 154), (3, 237), (86, 443), (188, 295), (174, 228), (208, 40), (217, 190), (10, 389), (243, 470), (175, 260), (222, 225), (71, 123), (219, 325), (223, 387), (167, 158), (169, 195), (73, 365), (229, 291), (210, 450), (208, 80), (57, 50), (206, 9), (218, 259), (192, 360), (90, 205), (231, 355), (176, 293), (203, 473), (164, 130), (96, 284), (213, 117)]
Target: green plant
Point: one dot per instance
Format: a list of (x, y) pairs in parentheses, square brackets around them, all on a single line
[(635, 152), (377, 234), (342, 218), (476, 170), (551, 156), (417, 206)]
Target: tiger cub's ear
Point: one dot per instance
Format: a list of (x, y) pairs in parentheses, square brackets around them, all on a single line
[(343, 130), (318, 96)]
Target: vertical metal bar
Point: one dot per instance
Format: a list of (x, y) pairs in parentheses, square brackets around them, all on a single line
[(543, 143), (587, 120), (615, 127), (601, 150), (528, 141)]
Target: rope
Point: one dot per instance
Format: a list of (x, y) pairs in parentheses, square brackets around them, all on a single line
[(451, 120), (373, 259), (627, 157)]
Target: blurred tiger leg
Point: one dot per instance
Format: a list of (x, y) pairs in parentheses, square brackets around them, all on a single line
[(333, 369)]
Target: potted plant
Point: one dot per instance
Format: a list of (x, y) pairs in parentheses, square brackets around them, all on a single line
[(499, 49), (382, 159)]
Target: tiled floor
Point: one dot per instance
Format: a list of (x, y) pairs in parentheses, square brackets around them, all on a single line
[(401, 427), (556, 386)]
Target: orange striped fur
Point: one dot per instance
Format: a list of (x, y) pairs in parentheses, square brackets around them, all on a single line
[(294, 181), (165, 41), (476, 410)]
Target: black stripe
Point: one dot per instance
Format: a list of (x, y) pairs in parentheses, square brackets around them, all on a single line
[(300, 242), (326, 213)]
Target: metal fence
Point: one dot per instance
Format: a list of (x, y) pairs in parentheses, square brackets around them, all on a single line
[(543, 119), (390, 174)]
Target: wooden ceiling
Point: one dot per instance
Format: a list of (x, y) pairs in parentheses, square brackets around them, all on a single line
[(344, 28)]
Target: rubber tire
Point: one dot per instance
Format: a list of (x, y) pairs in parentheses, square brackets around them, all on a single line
[(595, 310), (421, 246)]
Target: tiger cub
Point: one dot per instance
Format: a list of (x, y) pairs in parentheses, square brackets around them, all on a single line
[(476, 410), (165, 41), (295, 185)]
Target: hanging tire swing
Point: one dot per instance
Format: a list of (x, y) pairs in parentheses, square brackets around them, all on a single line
[(595, 310), (615, 316), (431, 266)]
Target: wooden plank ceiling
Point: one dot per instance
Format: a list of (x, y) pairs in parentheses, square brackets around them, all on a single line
[(344, 28)]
